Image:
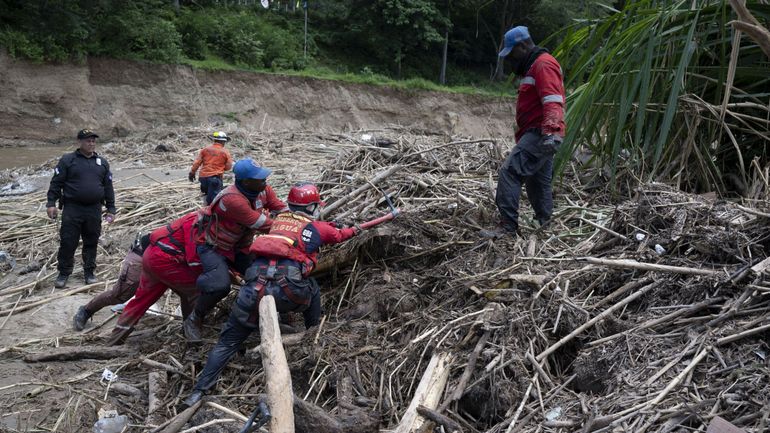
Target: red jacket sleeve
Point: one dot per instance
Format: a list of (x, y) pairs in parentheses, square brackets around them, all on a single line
[(550, 88), (272, 202), (332, 235)]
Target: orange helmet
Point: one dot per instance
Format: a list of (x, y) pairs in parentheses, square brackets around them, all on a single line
[(304, 194)]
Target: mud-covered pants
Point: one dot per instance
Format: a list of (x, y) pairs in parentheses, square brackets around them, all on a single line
[(124, 288), (532, 164), (79, 221)]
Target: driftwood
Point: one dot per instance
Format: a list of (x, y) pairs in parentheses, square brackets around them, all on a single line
[(428, 392), (156, 385), (720, 425), (125, 389), (633, 264), (277, 374), (449, 425), (356, 192), (176, 423), (79, 352)]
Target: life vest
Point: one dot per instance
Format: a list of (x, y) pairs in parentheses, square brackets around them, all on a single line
[(219, 231), (170, 238), (285, 241)]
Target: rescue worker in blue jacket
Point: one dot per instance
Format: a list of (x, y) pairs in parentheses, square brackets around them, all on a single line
[(82, 184)]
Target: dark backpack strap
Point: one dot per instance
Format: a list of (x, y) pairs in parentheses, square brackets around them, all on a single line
[(259, 287)]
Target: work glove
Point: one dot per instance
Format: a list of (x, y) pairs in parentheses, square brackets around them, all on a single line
[(357, 229), (52, 212), (109, 218), (191, 177), (551, 143)]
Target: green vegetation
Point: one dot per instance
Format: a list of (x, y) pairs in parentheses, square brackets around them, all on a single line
[(649, 96), (379, 41)]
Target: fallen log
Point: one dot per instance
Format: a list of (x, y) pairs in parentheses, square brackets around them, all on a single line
[(428, 392), (81, 352), (277, 374)]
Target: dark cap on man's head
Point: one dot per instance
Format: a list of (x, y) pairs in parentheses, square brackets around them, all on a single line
[(86, 133)]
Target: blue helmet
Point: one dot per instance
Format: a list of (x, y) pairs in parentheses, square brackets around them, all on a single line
[(249, 169)]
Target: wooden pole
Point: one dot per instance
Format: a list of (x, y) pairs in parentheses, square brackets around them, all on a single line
[(428, 392), (278, 377), (633, 264)]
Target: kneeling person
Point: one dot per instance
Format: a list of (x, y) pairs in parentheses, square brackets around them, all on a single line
[(124, 288), (284, 259)]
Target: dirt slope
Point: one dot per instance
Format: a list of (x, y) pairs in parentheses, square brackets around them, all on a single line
[(48, 102)]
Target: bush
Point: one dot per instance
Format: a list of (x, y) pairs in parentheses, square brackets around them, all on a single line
[(19, 45), (132, 33)]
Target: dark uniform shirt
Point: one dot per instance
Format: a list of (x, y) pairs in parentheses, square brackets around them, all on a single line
[(85, 181)]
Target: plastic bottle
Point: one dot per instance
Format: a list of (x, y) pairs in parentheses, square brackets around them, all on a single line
[(114, 424)]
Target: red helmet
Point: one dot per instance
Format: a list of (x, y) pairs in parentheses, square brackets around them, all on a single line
[(304, 194)]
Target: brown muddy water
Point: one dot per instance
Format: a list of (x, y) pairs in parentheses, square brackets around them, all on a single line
[(12, 157)]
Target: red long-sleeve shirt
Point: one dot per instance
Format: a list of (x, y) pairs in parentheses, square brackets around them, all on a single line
[(541, 99)]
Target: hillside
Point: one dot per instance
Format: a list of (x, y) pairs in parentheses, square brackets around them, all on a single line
[(48, 102)]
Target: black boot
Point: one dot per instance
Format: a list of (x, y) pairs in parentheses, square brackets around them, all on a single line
[(61, 281), (192, 327), (190, 401), (80, 319), (89, 278)]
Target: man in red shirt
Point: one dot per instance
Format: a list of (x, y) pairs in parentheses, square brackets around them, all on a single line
[(283, 261), (540, 130), (213, 161), (226, 228)]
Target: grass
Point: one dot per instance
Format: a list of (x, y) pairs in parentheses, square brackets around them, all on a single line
[(488, 89)]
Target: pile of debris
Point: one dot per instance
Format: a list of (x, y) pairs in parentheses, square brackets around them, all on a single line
[(647, 315)]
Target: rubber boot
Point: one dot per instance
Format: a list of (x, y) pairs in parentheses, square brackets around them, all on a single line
[(89, 278), (80, 319), (61, 281), (190, 401), (193, 327)]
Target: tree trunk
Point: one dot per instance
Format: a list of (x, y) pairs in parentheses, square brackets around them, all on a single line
[(277, 374), (442, 76)]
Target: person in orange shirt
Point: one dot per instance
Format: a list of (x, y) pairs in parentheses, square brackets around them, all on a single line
[(213, 161)]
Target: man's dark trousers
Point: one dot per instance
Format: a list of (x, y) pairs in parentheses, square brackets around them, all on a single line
[(532, 164), (79, 221), (211, 186)]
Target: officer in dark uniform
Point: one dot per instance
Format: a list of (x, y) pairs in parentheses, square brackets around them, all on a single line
[(82, 183)]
